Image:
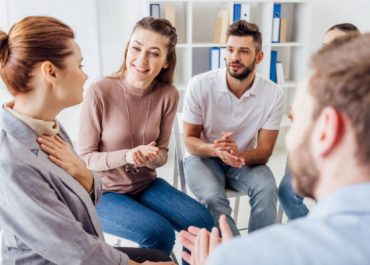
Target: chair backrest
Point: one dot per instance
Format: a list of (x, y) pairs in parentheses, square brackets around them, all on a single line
[(179, 154)]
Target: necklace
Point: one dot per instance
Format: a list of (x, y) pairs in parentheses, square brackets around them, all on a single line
[(129, 168)]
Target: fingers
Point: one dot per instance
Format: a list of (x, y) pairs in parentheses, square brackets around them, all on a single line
[(58, 162), (187, 239), (226, 232), (139, 158), (224, 144), (214, 240), (49, 149), (194, 230), (149, 147), (231, 159), (60, 140), (226, 134), (201, 248), (152, 143), (186, 256), (46, 141), (51, 140)]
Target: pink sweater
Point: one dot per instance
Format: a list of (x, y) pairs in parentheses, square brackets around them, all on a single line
[(104, 136)]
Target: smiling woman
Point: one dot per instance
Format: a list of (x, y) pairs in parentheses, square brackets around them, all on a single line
[(127, 120)]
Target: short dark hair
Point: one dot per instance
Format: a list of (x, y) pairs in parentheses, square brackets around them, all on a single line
[(346, 27), (243, 28), (341, 80)]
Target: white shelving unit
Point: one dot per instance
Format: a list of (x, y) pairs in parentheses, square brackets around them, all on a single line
[(195, 23)]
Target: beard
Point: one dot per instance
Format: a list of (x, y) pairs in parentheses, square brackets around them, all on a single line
[(303, 167), (247, 70)]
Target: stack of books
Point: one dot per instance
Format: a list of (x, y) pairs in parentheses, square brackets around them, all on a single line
[(169, 12), (279, 25)]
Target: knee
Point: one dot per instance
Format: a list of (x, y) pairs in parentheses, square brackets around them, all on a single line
[(203, 219), (266, 187), (213, 200), (284, 190), (160, 237)]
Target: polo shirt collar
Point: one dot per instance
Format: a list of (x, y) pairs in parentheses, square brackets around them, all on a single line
[(252, 91)]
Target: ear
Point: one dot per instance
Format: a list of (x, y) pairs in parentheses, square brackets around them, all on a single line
[(327, 132), (165, 66), (48, 71), (259, 57)]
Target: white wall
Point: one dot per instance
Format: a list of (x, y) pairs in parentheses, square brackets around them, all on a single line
[(326, 13), (117, 19), (81, 15)]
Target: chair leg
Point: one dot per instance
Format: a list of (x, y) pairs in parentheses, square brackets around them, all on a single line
[(280, 212), (236, 209), (173, 257), (175, 173)]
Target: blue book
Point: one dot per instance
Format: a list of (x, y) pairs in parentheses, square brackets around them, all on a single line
[(273, 62), (237, 12)]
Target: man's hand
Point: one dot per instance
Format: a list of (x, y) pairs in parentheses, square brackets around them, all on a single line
[(227, 150), (61, 154), (201, 243), (142, 154)]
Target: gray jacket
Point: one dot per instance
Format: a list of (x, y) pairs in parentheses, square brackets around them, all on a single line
[(46, 215)]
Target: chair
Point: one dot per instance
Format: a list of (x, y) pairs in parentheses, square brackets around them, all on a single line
[(1, 240), (179, 167), (179, 172)]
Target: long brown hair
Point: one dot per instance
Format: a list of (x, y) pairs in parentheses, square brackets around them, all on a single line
[(32, 40), (164, 28)]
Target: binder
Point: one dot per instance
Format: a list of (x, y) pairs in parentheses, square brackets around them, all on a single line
[(222, 22), (277, 11), (155, 10), (283, 24), (214, 58), (245, 12), (223, 57), (273, 62), (279, 73), (169, 13), (237, 12), (276, 23)]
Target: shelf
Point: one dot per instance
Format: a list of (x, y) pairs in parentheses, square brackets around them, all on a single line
[(182, 45), (201, 45), (286, 44)]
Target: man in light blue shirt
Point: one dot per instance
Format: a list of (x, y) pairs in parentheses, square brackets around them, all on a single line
[(329, 150)]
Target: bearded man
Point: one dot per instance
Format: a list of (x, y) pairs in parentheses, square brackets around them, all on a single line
[(231, 122)]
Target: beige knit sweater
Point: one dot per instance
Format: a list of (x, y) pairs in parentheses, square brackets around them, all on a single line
[(105, 134)]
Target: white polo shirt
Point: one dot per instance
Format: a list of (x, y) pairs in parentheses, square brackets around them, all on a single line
[(209, 102)]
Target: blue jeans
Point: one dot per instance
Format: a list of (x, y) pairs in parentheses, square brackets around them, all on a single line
[(208, 177), (292, 203), (151, 217)]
